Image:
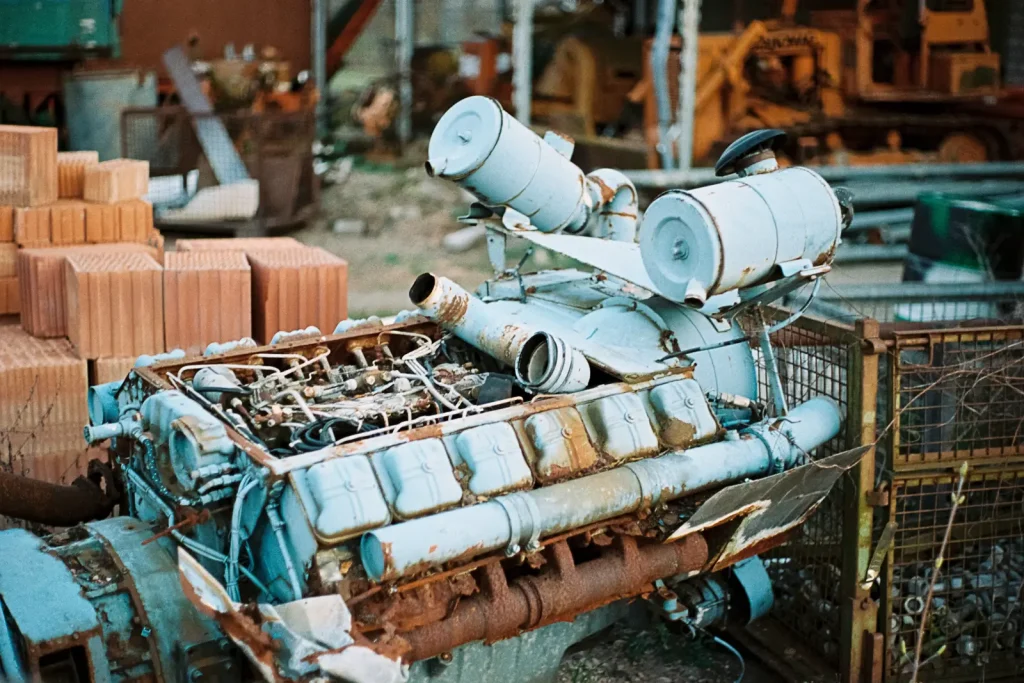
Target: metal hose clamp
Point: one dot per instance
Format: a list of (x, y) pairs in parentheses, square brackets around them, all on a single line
[(776, 462), (523, 522), (652, 485)]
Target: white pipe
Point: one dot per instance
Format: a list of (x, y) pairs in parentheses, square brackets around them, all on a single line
[(617, 208), (547, 365), (689, 22)]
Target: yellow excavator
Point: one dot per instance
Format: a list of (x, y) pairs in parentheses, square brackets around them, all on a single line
[(884, 82)]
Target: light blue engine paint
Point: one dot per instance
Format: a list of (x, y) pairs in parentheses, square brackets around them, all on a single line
[(520, 519)]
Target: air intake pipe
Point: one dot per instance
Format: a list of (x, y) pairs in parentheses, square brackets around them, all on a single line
[(479, 146), (519, 520), (543, 362)]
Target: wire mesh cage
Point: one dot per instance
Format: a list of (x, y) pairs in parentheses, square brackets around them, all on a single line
[(813, 359), (974, 628), (955, 395), (240, 172)]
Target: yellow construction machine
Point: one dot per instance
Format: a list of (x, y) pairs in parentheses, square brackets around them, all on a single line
[(884, 82)]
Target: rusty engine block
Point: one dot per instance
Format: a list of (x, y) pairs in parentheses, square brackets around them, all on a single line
[(355, 506)]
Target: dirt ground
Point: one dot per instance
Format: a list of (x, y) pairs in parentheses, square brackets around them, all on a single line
[(659, 655), (407, 214)]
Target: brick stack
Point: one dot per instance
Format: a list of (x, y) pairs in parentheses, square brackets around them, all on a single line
[(28, 165), (41, 279), (296, 288), (116, 181), (80, 258), (44, 202), (207, 298), (42, 402), (115, 304), (71, 172), (243, 244)]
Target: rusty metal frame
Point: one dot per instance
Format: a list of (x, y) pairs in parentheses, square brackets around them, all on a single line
[(987, 463), (858, 611)]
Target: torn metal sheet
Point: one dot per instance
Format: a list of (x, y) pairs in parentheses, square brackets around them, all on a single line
[(765, 509), (304, 638)]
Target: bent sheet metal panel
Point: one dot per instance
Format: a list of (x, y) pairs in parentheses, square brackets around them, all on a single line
[(50, 622), (767, 508)]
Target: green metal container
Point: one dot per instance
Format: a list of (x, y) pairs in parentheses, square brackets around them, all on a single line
[(954, 239), (58, 29)]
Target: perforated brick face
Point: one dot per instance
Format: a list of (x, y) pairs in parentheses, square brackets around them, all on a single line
[(207, 298), (28, 165), (115, 304)]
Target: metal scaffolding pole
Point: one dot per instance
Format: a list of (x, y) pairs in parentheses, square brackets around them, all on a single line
[(522, 61), (318, 29), (405, 39), (660, 51), (689, 26)]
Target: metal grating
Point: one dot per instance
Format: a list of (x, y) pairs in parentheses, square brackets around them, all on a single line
[(920, 302), (813, 359), (975, 630), (957, 395)]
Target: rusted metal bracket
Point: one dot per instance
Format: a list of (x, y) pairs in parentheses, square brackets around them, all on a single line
[(878, 556), (879, 498)]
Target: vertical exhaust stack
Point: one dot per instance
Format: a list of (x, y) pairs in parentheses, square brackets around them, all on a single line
[(477, 145)]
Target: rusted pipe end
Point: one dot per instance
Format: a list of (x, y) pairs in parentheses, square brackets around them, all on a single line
[(422, 287), (42, 502)]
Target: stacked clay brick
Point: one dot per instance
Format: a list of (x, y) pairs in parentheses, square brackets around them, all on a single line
[(43, 407), (57, 209), (50, 199), (293, 286)]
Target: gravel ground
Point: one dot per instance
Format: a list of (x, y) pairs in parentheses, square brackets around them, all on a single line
[(658, 655)]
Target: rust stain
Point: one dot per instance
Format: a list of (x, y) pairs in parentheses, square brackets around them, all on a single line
[(825, 257), (676, 432), (453, 310), (607, 192)]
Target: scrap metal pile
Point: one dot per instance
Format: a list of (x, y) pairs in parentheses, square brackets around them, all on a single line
[(346, 506)]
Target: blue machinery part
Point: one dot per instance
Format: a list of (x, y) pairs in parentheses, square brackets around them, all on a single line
[(491, 466), (519, 519)]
